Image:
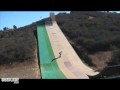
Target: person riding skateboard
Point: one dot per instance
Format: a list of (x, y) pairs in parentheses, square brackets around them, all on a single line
[(60, 53)]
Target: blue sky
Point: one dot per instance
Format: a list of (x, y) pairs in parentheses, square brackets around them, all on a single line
[(21, 18)]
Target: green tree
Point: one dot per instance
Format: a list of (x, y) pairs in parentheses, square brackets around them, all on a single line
[(14, 27), (5, 28)]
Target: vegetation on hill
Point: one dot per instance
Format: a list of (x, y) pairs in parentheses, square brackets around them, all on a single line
[(92, 32), (17, 45), (88, 33)]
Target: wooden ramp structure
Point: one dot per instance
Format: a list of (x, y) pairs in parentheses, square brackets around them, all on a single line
[(67, 59)]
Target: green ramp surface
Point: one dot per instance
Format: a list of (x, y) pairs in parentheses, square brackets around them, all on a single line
[(49, 68)]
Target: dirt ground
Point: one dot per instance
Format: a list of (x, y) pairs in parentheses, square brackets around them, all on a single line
[(30, 69), (100, 59), (24, 70)]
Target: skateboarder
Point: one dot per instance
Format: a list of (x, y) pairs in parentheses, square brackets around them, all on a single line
[(60, 53)]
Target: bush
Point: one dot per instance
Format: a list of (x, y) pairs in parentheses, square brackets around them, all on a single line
[(115, 60), (14, 27)]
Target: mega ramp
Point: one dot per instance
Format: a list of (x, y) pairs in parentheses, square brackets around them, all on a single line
[(54, 46)]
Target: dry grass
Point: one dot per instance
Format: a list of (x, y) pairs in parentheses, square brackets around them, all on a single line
[(100, 59)]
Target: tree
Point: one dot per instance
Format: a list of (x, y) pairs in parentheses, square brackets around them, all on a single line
[(14, 27), (5, 28)]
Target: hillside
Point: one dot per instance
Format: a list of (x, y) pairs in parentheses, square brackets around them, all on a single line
[(18, 44), (95, 36), (18, 53)]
